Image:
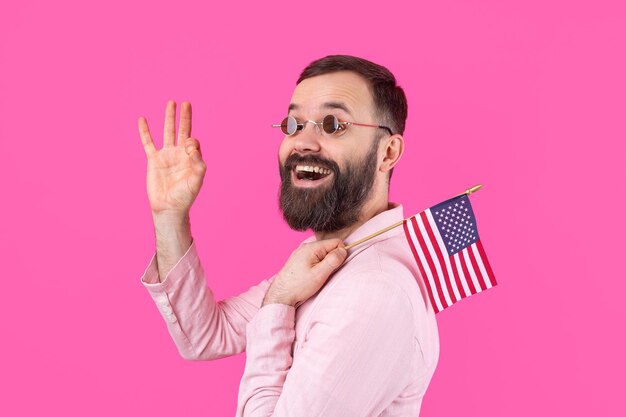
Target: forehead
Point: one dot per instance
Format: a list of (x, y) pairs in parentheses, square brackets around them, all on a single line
[(319, 93)]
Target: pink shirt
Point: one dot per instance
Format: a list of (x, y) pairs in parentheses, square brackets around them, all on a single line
[(365, 345)]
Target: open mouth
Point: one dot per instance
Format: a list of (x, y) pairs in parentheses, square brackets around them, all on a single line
[(311, 172), (309, 175)]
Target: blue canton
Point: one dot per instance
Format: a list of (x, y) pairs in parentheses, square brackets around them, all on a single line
[(456, 223)]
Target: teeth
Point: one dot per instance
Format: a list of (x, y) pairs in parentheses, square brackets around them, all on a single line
[(309, 168)]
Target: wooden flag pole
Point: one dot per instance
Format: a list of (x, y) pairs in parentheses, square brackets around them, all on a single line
[(393, 226)]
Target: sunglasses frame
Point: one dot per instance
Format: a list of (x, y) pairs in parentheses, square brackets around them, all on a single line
[(335, 123)]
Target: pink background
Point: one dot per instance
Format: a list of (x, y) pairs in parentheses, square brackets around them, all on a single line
[(525, 97)]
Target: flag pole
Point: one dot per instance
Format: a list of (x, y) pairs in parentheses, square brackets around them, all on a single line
[(471, 190), (393, 226)]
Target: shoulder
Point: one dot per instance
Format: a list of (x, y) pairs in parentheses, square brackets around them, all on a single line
[(371, 286), (363, 305), (387, 264), (384, 272), (366, 286)]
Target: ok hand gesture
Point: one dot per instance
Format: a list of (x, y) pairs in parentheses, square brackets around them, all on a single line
[(176, 171)]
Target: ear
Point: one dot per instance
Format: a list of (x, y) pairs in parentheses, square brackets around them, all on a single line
[(393, 148)]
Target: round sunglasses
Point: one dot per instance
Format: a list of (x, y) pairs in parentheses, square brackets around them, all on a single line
[(329, 124)]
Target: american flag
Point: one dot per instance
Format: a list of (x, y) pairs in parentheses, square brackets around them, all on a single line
[(444, 240)]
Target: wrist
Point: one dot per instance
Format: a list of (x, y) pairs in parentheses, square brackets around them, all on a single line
[(175, 225), (277, 299), (170, 217), (172, 232)]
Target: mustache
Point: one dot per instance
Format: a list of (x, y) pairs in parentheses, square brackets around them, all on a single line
[(297, 159)]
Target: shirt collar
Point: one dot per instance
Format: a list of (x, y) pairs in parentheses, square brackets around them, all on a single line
[(394, 214)]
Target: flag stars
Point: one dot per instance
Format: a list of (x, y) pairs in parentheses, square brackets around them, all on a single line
[(456, 225)]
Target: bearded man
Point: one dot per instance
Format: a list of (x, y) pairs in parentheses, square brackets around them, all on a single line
[(334, 332)]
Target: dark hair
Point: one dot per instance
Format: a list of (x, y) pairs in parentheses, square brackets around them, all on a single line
[(389, 98)]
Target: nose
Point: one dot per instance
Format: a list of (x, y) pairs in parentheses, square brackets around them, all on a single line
[(308, 140)]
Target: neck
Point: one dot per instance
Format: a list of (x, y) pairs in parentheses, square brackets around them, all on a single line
[(371, 209)]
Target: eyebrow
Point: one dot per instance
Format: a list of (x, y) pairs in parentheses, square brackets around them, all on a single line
[(329, 105)]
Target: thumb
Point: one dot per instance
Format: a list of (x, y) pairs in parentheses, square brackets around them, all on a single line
[(197, 162), (332, 261)]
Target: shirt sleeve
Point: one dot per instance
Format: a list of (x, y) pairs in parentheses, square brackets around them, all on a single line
[(355, 361), (201, 327)]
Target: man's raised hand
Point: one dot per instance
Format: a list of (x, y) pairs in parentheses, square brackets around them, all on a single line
[(176, 171)]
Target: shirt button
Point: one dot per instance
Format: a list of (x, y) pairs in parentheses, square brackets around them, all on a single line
[(171, 318)]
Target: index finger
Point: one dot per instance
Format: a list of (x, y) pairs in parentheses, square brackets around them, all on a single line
[(146, 138), (184, 126), (169, 127)]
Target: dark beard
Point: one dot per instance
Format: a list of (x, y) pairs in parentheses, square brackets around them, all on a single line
[(332, 207)]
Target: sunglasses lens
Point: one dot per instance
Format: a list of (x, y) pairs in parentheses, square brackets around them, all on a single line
[(285, 126), (291, 125), (330, 124)]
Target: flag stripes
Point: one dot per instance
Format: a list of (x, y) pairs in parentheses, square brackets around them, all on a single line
[(448, 279)]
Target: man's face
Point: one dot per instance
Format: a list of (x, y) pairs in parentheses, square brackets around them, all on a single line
[(326, 179)]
